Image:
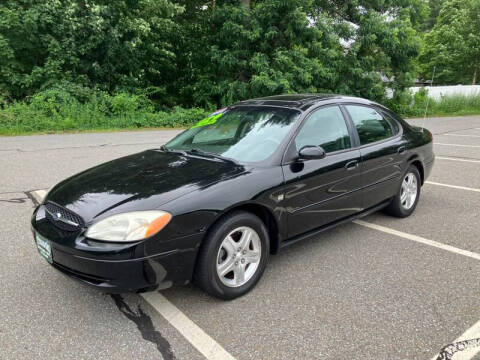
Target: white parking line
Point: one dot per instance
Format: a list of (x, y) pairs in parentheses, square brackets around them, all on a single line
[(452, 186), (461, 145), (466, 346), (187, 328), (419, 239), (465, 135), (456, 159), (190, 331)]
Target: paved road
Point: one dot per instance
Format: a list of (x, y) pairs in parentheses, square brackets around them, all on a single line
[(352, 293)]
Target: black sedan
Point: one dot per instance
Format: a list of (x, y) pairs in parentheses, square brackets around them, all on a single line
[(213, 203)]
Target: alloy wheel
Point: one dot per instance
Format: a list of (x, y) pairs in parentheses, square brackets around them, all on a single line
[(409, 191), (239, 256)]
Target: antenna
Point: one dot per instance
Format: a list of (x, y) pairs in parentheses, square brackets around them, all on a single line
[(428, 97)]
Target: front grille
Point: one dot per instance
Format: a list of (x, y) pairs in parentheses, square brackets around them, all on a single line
[(62, 218)]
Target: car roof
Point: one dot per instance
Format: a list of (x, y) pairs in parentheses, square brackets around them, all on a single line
[(302, 101)]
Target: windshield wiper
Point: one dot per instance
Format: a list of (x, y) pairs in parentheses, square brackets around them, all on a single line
[(211, 154), (181, 152)]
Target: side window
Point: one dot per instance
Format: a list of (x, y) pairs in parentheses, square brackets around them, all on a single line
[(392, 121), (326, 127), (371, 126)]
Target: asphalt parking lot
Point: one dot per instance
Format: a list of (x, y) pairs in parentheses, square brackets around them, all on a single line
[(380, 288)]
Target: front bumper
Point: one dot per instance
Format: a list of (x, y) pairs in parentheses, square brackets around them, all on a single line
[(117, 268), (135, 275)]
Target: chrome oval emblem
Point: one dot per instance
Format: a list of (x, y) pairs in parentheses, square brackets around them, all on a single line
[(58, 217)]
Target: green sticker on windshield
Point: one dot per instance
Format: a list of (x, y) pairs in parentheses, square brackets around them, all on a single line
[(207, 121)]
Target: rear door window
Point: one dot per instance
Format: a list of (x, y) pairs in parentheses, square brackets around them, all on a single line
[(393, 123), (370, 125)]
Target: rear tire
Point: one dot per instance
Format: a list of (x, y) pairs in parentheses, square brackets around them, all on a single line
[(233, 256), (405, 202)]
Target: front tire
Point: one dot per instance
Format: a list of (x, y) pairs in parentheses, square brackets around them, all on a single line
[(233, 256), (405, 202)]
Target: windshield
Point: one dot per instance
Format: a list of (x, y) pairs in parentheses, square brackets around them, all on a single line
[(244, 134)]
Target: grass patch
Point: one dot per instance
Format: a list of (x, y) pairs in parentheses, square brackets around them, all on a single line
[(456, 105), (452, 105)]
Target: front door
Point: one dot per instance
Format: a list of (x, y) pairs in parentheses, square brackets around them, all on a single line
[(319, 191)]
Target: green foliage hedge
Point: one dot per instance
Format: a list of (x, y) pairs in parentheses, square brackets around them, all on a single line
[(74, 64), (57, 111), (79, 109)]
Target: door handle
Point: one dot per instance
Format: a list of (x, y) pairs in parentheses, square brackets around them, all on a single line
[(401, 150), (351, 165)]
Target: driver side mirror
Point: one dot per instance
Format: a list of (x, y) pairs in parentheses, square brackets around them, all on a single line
[(311, 152)]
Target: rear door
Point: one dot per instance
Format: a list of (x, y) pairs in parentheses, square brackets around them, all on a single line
[(382, 150), (319, 191)]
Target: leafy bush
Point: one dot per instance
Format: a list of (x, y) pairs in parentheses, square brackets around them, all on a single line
[(401, 102), (56, 110)]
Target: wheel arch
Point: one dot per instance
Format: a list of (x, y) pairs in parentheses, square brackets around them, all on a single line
[(415, 161), (262, 212)]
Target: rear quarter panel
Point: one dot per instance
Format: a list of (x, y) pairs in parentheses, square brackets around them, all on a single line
[(421, 148)]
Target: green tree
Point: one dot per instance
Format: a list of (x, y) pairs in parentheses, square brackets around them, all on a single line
[(234, 50), (434, 7), (238, 49), (209, 52), (97, 43), (382, 43), (453, 45)]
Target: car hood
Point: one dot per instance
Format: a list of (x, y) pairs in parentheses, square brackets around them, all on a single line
[(142, 181)]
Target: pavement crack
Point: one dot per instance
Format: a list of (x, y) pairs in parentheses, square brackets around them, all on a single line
[(145, 325), (448, 351), (19, 199), (14, 200), (31, 197), (80, 147)]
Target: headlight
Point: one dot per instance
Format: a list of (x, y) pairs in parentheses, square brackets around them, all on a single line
[(131, 226)]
